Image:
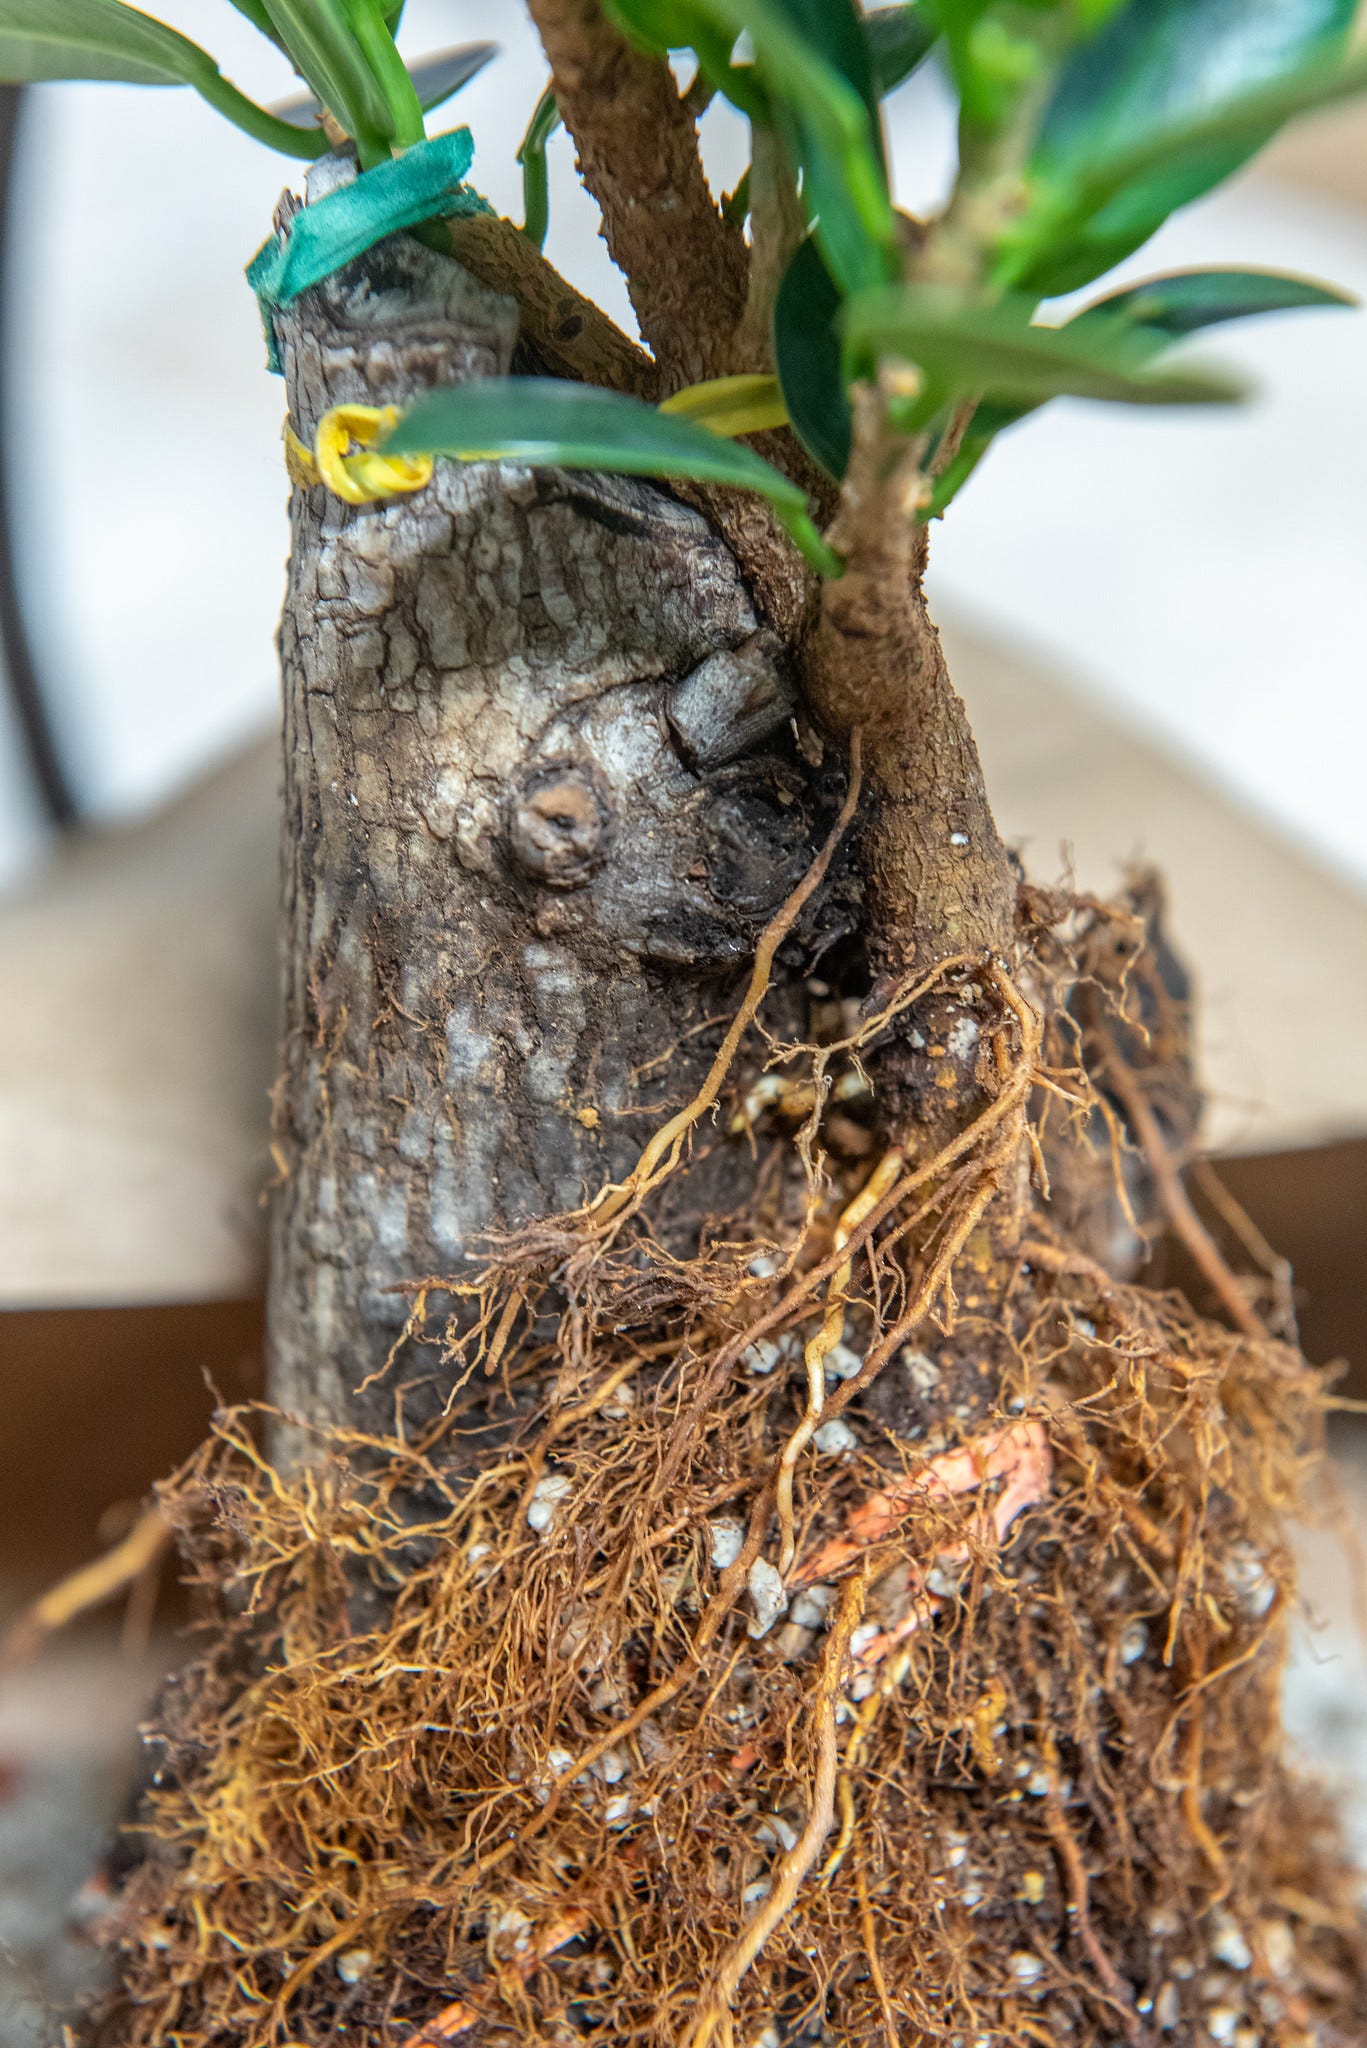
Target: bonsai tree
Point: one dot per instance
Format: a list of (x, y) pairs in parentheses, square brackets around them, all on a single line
[(733, 1554)]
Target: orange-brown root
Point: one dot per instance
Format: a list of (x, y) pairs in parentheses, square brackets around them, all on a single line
[(559, 1746)]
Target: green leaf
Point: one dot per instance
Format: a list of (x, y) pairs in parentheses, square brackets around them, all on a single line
[(547, 423), (401, 121), (1177, 304), (659, 26), (833, 29), (1160, 63), (1167, 100), (828, 125), (435, 79), (257, 16), (968, 347), (43, 39), (1172, 306), (103, 39), (898, 39), (1184, 301), (325, 52), (808, 359)]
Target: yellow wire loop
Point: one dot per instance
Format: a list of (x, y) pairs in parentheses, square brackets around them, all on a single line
[(343, 456)]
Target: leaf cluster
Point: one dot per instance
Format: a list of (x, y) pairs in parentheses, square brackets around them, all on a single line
[(1083, 124), (343, 51)]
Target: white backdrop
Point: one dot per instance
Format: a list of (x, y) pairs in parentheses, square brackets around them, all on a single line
[(1201, 575)]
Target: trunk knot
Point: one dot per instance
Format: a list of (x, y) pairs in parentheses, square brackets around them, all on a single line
[(559, 824)]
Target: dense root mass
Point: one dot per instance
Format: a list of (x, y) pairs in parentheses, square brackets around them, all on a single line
[(866, 1629)]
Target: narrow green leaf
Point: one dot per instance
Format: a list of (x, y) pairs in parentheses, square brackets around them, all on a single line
[(439, 77), (435, 79), (828, 125), (547, 423), (967, 347), (257, 16), (103, 39), (325, 52), (1185, 301), (898, 39), (1157, 64), (255, 121), (1166, 101), (835, 30), (1241, 124), (43, 39), (808, 358), (1169, 307), (948, 485), (402, 122), (659, 26)]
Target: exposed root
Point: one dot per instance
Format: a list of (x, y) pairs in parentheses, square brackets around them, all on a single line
[(120, 1570), (869, 1623), (796, 1865), (1185, 1222), (662, 1154), (819, 1348)]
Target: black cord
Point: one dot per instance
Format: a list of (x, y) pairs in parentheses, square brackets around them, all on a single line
[(16, 649)]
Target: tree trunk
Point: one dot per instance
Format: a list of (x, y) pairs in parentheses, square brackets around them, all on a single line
[(542, 792)]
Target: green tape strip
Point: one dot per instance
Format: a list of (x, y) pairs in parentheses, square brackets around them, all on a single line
[(422, 184)]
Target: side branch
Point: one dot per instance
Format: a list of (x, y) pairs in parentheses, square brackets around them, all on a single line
[(638, 155), (575, 337)]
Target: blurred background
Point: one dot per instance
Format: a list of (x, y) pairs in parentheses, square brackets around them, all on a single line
[(1157, 623)]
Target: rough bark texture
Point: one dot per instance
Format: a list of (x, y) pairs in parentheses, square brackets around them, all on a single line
[(938, 880), (535, 814), (638, 155)]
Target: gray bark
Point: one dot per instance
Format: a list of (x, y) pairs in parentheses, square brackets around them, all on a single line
[(510, 875)]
